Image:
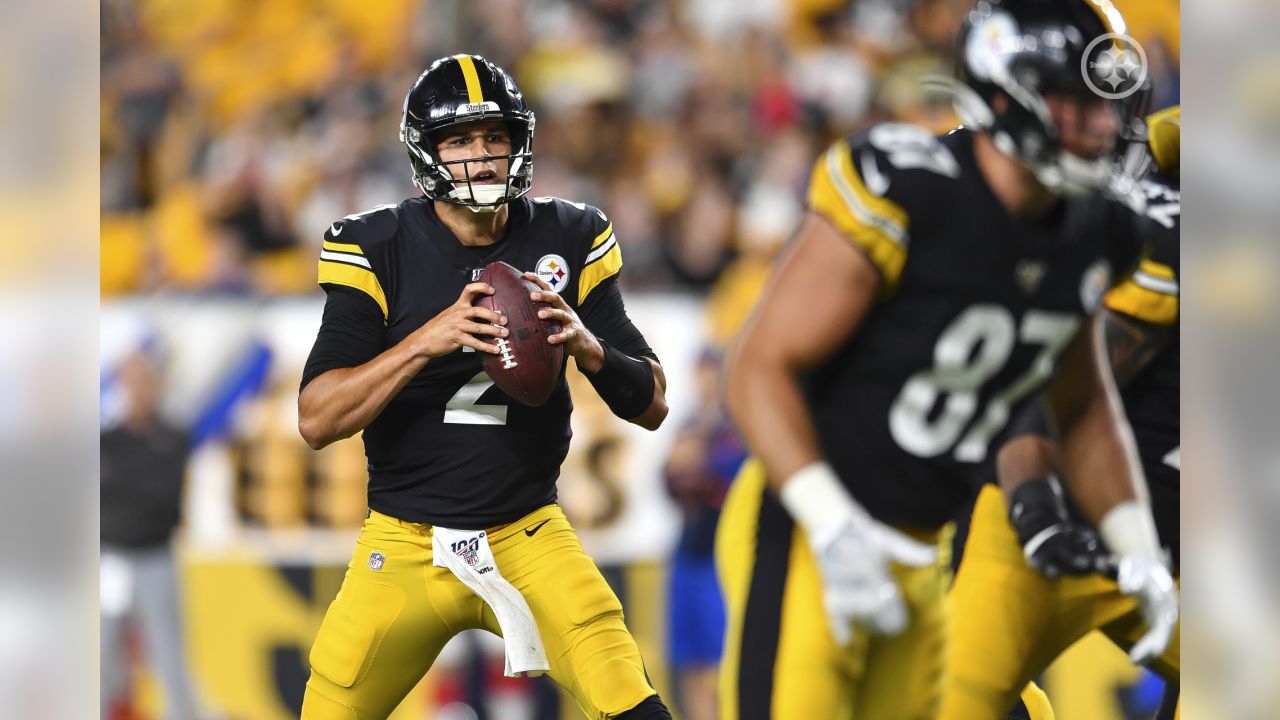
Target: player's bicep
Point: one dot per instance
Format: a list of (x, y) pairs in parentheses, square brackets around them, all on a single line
[(817, 298), (351, 333), (1131, 344)]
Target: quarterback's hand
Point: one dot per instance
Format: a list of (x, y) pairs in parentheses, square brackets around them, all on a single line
[(1146, 578), (459, 324), (577, 340), (854, 558)]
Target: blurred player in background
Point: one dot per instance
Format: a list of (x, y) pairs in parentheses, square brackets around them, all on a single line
[(936, 284), (703, 460), (144, 462), (1028, 586), (450, 455)]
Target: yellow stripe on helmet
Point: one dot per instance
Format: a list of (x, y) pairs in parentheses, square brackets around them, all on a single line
[(469, 74)]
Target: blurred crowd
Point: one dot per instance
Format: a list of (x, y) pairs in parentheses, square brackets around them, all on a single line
[(234, 132)]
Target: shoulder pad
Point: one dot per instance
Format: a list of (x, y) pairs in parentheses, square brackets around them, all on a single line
[(365, 228), (901, 148), (862, 185), (352, 251), (575, 217), (599, 257)]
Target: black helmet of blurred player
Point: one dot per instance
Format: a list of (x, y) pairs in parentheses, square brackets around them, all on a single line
[(1016, 57), (457, 90)]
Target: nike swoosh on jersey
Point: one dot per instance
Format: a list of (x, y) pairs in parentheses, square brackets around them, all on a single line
[(876, 181), (530, 531), (335, 229)]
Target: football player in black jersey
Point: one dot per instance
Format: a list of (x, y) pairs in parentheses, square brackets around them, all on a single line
[(935, 286), (1029, 585), (450, 456)]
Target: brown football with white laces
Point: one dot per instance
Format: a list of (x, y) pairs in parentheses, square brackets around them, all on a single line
[(528, 367)]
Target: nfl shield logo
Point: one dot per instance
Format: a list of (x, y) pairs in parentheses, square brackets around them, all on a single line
[(376, 559)]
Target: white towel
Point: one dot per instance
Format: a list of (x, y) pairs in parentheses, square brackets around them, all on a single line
[(467, 555)]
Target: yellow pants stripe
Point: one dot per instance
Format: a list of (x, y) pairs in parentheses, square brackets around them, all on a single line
[(780, 660)]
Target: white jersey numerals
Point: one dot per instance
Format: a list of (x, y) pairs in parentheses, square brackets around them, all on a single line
[(910, 147), (972, 350), (463, 407), (1163, 204)]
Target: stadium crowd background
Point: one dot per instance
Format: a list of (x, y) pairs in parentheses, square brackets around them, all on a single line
[(233, 132)]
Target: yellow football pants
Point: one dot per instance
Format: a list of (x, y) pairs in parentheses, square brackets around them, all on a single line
[(1012, 622), (396, 611), (780, 661)]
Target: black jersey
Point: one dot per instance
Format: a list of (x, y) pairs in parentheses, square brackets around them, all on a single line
[(1151, 399), (977, 306), (451, 448)]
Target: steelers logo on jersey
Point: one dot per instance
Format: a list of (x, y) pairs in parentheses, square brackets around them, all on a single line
[(1094, 284), (554, 271)]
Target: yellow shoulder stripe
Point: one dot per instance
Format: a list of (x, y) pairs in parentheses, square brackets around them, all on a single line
[(474, 93), (602, 263), (1150, 294), (343, 247), (1164, 133), (875, 224), (602, 236), (353, 276)]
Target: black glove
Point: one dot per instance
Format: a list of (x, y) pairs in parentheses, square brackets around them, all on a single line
[(1053, 544)]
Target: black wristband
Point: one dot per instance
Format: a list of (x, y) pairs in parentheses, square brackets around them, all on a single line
[(623, 382), (1036, 505)]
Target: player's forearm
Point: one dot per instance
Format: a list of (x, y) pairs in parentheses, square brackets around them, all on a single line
[(652, 417), (342, 402), (1098, 457), (1025, 457), (765, 402)]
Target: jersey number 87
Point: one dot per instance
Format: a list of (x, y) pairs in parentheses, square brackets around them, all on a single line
[(972, 350)]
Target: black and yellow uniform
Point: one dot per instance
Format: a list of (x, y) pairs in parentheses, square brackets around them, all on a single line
[(451, 450), (976, 307), (1152, 398), (1015, 621)]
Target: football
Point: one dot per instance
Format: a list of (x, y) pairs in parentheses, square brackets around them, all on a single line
[(529, 367)]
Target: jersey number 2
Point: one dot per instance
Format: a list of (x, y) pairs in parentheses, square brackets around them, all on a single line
[(464, 408), (972, 350)]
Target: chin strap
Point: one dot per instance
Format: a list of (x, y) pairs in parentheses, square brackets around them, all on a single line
[(480, 198)]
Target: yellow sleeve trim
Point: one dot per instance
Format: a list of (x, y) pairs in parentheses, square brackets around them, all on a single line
[(343, 247), (603, 262), (353, 276), (602, 237), (875, 224), (1150, 294)]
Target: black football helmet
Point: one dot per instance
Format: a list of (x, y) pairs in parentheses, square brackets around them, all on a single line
[(461, 89), (1025, 49)]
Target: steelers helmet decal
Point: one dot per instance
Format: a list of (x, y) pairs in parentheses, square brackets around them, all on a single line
[(1023, 50)]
